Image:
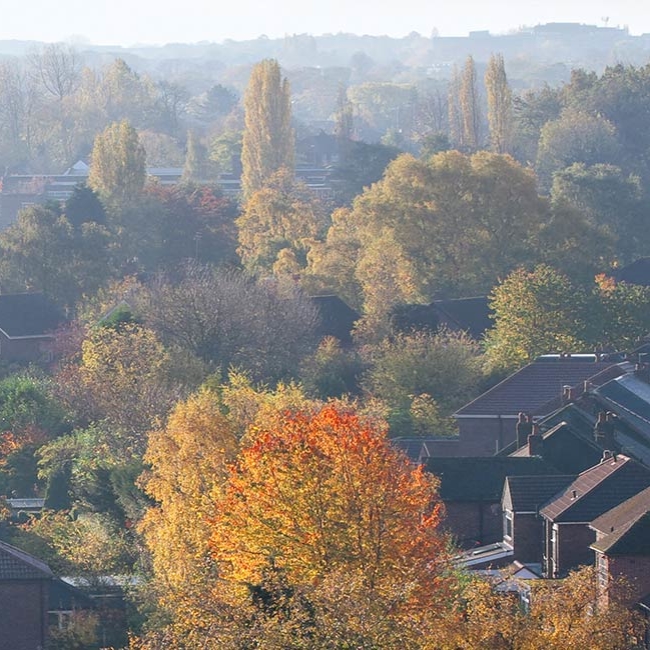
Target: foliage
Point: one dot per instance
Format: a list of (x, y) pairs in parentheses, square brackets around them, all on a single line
[(423, 376), (535, 312), (324, 492), (89, 544), (542, 311), (450, 224), (575, 137), (188, 459), (42, 252), (331, 371), (563, 613), (117, 169), (279, 220), (268, 138), (499, 100)]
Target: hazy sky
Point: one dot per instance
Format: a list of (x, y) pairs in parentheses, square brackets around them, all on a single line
[(126, 22)]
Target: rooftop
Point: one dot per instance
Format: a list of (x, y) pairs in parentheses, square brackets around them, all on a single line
[(530, 493), (18, 565), (27, 315), (598, 490), (537, 388), (482, 478)]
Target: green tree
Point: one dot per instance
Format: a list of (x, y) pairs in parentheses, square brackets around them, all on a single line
[(196, 160), (117, 169), (611, 201), (575, 137), (499, 104), (268, 142), (535, 312), (445, 367)]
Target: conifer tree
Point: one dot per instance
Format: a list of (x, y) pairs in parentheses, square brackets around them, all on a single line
[(268, 143)]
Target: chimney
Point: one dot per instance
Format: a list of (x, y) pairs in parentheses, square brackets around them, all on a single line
[(567, 395), (524, 429), (535, 442)]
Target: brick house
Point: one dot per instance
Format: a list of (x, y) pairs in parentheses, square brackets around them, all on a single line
[(523, 527), (567, 517), (622, 545), (27, 321), (471, 489)]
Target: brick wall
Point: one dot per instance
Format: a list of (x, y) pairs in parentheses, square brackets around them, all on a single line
[(528, 538), (636, 572), (474, 523)]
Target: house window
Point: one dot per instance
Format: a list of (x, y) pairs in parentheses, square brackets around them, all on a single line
[(507, 524), (59, 619)]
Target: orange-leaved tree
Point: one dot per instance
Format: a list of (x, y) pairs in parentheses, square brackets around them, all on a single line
[(323, 492)]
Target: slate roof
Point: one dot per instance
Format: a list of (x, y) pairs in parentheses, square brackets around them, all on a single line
[(632, 538), (337, 318), (481, 478), (530, 493), (566, 449), (629, 397), (28, 314), (18, 565), (623, 513), (471, 315), (414, 448), (598, 490), (537, 387)]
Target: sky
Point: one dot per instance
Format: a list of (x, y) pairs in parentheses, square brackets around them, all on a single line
[(129, 22)]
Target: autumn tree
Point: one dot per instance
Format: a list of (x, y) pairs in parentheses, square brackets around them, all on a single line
[(279, 223), (42, 251), (268, 143), (575, 137), (499, 104), (188, 459), (563, 613), (117, 169), (470, 107), (325, 494), (432, 227)]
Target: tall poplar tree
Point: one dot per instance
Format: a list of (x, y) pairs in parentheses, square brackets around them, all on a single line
[(268, 143), (469, 106), (117, 167), (499, 103)]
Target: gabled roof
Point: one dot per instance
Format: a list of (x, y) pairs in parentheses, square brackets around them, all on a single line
[(623, 513), (536, 388), (530, 493), (414, 448), (337, 318), (629, 397), (471, 315), (18, 565), (28, 315), (482, 478), (567, 449), (633, 538), (598, 490)]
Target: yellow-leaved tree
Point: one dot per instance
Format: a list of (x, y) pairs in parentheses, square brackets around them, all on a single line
[(188, 459)]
